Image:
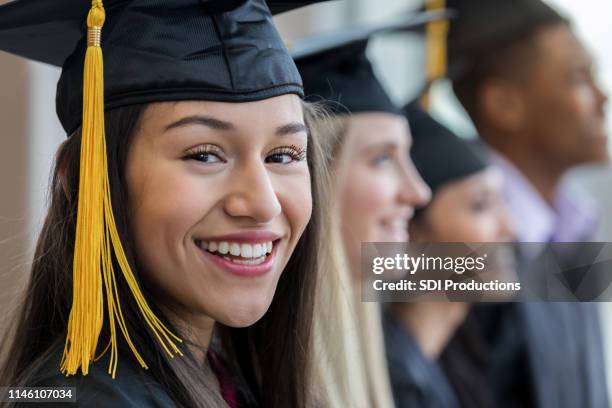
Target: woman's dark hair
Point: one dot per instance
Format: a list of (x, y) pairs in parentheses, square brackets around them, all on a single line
[(272, 357)]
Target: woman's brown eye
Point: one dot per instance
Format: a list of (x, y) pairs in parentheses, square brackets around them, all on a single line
[(206, 154), (205, 157)]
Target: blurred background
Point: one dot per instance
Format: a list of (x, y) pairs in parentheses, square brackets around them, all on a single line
[(31, 132)]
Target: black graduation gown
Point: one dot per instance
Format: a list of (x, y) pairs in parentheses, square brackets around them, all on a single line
[(133, 386), (534, 354), (416, 380)]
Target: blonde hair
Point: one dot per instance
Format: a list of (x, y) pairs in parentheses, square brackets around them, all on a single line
[(350, 363)]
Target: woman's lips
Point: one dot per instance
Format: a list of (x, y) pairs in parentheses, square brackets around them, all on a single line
[(395, 230), (241, 261), (395, 235)]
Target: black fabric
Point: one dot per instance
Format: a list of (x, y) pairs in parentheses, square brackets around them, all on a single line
[(157, 50), (487, 360), (439, 155), (534, 354), (509, 372), (337, 72), (344, 79), (566, 354), (464, 361), (564, 345), (133, 386), (416, 381), (486, 24)]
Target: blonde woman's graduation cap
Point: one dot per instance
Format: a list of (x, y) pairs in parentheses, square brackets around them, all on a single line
[(336, 70)]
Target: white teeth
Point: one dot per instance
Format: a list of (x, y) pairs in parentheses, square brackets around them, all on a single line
[(235, 249), (223, 248), (248, 251), (253, 261)]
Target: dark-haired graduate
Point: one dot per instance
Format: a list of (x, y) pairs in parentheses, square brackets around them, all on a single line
[(178, 261), (466, 206), (526, 81)]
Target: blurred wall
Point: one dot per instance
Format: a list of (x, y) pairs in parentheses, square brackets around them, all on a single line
[(14, 173), (30, 135)]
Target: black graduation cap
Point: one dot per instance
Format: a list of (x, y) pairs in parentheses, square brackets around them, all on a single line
[(439, 155), (336, 70), (157, 50), (482, 25)]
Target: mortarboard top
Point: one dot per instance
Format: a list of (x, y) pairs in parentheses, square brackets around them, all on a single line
[(336, 70), (223, 50), (125, 52), (488, 24), (438, 154)]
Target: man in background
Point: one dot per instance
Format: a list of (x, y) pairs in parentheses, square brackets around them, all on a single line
[(527, 83), (535, 103)]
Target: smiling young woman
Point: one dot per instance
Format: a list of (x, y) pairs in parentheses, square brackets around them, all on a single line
[(216, 187), (163, 207)]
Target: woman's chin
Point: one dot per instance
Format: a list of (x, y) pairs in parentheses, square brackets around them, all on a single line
[(243, 315)]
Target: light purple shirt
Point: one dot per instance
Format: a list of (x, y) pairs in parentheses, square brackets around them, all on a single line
[(571, 218)]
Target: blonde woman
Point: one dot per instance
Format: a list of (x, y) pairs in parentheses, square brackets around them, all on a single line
[(376, 190)]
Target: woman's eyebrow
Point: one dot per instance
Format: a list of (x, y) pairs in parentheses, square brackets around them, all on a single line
[(218, 124), (291, 128), (382, 145), (207, 121)]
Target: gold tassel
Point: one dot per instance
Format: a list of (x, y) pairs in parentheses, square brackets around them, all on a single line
[(436, 54), (97, 238)]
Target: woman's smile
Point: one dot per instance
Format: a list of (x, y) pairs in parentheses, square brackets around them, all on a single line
[(248, 254)]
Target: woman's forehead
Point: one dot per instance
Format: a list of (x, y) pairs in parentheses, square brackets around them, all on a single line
[(269, 113), (371, 129)]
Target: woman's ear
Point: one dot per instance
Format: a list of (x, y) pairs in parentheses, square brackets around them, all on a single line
[(502, 105)]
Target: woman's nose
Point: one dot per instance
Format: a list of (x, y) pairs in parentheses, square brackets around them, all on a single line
[(414, 191), (251, 194)]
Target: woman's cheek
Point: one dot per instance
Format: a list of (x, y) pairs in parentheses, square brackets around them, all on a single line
[(370, 192), (295, 196), (169, 202), (478, 228), (365, 201)]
